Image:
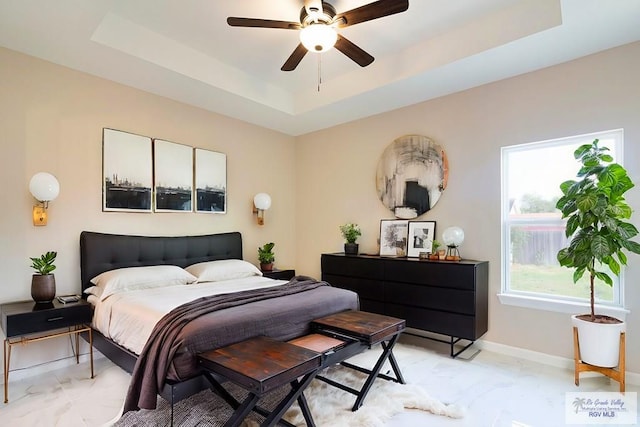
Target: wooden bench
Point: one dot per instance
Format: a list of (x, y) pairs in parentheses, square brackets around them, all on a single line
[(260, 364), (361, 330)]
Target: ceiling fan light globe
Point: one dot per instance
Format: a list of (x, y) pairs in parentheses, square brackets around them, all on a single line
[(318, 37)]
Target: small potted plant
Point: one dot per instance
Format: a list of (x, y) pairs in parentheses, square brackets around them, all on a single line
[(597, 226), (43, 282), (266, 256), (435, 245), (350, 233)]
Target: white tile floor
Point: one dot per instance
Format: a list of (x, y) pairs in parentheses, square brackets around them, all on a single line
[(495, 390)]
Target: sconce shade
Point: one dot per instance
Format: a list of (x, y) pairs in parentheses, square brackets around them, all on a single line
[(318, 37), (44, 187), (453, 236), (262, 201)]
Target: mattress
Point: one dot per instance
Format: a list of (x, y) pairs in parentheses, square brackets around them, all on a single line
[(128, 318)]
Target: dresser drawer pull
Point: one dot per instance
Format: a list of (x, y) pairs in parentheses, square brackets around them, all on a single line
[(53, 319)]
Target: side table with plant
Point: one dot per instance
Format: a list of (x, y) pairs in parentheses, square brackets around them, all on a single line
[(266, 256), (350, 233), (43, 282)]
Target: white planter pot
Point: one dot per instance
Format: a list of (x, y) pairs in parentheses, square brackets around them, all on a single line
[(599, 342)]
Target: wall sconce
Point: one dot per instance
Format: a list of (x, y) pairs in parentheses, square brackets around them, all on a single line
[(261, 202), (45, 188), (453, 237)]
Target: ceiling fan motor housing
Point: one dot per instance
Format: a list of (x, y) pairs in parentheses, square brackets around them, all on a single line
[(326, 17)]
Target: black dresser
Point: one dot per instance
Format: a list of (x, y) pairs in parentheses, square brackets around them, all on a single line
[(447, 298)]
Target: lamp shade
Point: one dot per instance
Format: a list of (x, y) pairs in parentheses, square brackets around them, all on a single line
[(318, 37), (44, 187), (453, 236), (262, 201)]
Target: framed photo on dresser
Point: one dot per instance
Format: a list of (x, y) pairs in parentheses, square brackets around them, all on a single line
[(393, 237), (421, 234)]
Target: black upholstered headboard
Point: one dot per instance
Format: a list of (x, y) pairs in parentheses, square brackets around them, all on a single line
[(100, 252)]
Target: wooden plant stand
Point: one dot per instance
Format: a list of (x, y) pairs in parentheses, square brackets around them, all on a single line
[(580, 366)]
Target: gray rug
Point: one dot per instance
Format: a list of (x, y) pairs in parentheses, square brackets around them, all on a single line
[(329, 405), (205, 409)]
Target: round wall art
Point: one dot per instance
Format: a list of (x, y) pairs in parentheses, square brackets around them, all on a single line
[(412, 174)]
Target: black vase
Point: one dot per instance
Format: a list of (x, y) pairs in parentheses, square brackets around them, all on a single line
[(43, 288), (351, 249)]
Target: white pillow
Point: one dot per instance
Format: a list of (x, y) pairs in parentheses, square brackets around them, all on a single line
[(134, 278), (94, 290), (225, 269), (93, 300)]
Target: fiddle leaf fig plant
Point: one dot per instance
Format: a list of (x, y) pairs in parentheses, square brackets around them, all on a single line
[(597, 212), (44, 264)]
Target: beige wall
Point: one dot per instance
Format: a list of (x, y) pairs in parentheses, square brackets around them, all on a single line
[(51, 119), (336, 173)]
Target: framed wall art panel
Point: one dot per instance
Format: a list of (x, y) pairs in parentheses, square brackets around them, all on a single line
[(211, 181), (173, 173), (127, 163), (393, 237)]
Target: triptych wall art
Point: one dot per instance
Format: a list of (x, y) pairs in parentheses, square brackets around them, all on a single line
[(142, 174)]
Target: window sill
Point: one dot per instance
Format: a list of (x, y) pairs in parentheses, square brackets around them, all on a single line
[(570, 307)]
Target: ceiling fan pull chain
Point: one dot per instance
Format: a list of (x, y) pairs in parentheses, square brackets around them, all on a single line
[(319, 71)]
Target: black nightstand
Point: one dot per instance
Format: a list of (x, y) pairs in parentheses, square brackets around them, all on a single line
[(25, 321), (279, 274)]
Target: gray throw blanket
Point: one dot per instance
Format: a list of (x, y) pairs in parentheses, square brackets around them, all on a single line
[(151, 368)]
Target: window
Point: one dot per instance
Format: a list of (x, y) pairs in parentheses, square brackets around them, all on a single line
[(532, 228)]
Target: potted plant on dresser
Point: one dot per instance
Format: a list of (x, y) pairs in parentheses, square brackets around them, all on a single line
[(350, 233), (266, 257), (43, 282), (597, 215)]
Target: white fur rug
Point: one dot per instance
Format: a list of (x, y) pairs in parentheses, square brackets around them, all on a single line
[(329, 405)]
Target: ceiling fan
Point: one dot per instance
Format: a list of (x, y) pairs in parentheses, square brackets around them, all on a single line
[(318, 23)]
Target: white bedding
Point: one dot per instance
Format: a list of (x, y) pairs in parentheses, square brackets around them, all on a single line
[(128, 317)]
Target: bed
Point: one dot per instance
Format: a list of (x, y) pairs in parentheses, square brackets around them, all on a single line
[(284, 316)]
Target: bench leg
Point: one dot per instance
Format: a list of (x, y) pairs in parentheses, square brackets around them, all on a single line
[(241, 413), (387, 350), (297, 387), (394, 365), (306, 412), (221, 391)]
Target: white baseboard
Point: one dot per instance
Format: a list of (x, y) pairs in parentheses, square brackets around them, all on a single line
[(546, 359)]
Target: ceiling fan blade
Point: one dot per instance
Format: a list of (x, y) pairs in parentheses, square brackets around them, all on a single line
[(292, 62), (358, 55), (262, 23), (370, 11)]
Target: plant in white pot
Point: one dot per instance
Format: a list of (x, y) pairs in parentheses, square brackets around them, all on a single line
[(43, 282), (597, 212)]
